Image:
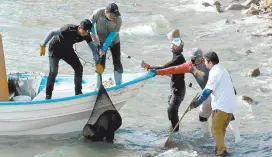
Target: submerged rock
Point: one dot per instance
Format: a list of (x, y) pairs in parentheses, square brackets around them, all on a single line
[(248, 52), (227, 21), (160, 24), (151, 154), (264, 90)]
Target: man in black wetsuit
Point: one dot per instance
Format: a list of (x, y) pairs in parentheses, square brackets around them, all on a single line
[(177, 81), (61, 47)]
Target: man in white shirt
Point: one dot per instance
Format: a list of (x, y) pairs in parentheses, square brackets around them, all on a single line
[(220, 87)]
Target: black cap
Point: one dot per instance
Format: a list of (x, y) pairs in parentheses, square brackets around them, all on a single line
[(86, 25), (212, 56), (113, 9)]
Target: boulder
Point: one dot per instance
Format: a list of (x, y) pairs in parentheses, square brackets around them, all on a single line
[(253, 10), (254, 73), (173, 34), (235, 7), (249, 2), (265, 4), (247, 98), (218, 6), (206, 4)]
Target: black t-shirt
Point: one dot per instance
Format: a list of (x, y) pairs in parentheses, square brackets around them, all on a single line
[(64, 43), (177, 80)]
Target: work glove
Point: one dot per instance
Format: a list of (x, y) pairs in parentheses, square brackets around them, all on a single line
[(153, 72), (99, 68), (42, 50), (192, 104), (100, 51), (145, 65)]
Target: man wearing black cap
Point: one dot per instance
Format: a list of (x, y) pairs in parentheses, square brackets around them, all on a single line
[(107, 20), (61, 47)]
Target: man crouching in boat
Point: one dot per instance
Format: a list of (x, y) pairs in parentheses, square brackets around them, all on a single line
[(196, 66), (178, 88), (104, 128), (61, 47)]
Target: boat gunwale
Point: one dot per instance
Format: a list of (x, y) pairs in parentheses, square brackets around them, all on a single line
[(144, 77)]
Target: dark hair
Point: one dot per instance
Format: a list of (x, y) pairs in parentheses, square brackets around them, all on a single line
[(86, 25), (212, 56)]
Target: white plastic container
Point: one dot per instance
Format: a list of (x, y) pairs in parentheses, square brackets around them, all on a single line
[(22, 98)]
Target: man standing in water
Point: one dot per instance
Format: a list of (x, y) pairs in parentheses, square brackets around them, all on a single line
[(61, 47), (220, 87), (196, 66), (105, 21), (178, 88)]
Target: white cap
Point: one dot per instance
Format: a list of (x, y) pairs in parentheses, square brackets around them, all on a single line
[(177, 42)]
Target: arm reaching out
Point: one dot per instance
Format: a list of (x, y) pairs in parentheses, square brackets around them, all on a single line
[(180, 69), (50, 35)]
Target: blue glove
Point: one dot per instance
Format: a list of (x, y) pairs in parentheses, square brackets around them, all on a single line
[(153, 72)]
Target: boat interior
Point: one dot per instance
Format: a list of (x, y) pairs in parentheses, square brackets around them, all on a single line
[(32, 86)]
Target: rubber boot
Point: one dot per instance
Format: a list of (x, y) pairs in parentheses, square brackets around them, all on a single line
[(117, 78), (205, 128), (98, 81), (234, 125)]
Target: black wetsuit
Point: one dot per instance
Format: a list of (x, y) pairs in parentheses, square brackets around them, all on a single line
[(178, 88), (61, 47)]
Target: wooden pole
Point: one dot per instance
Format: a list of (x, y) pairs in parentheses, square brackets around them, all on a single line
[(4, 92)]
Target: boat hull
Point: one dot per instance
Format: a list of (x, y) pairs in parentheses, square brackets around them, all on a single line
[(61, 115)]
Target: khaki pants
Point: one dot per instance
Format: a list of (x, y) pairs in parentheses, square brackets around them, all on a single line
[(220, 121)]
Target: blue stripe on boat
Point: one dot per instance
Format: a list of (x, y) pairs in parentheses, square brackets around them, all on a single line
[(142, 78)]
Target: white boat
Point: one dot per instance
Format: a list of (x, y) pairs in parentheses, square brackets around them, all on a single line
[(65, 112)]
